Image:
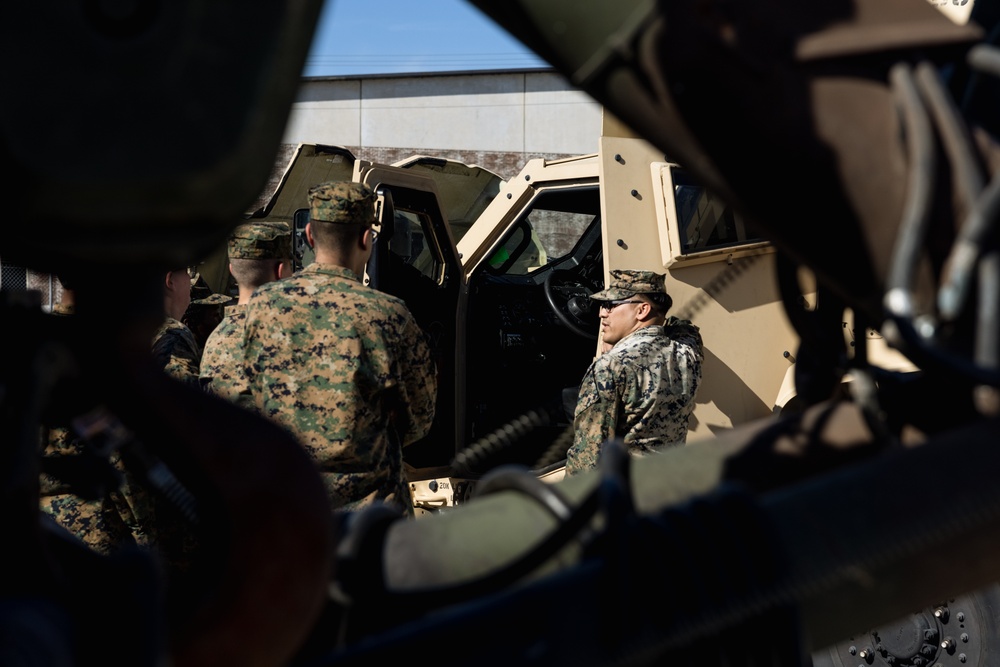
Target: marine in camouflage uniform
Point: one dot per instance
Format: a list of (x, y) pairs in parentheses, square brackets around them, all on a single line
[(344, 367), (176, 351), (641, 390), (258, 252)]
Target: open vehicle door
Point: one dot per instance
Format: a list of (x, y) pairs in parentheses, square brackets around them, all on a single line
[(415, 259)]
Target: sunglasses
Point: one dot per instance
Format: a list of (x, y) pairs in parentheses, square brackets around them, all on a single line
[(611, 305)]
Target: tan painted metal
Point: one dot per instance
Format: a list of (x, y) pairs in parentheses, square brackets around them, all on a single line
[(730, 294)]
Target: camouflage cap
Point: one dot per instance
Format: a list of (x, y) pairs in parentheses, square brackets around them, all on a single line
[(343, 202), (202, 294), (261, 240), (625, 283), (212, 300)]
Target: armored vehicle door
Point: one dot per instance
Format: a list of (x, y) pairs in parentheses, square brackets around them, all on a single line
[(414, 258)]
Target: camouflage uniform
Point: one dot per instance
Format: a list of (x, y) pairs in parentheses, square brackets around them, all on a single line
[(176, 351), (222, 361), (344, 367), (641, 391), (97, 522)]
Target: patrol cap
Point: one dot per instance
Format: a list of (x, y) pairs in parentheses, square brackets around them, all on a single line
[(625, 283), (261, 240), (202, 295), (213, 300), (342, 202)]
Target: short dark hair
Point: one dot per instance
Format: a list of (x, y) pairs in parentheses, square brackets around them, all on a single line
[(335, 235), (253, 272), (660, 301)]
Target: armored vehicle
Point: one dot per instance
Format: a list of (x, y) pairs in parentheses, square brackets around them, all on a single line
[(870, 124), (499, 273)]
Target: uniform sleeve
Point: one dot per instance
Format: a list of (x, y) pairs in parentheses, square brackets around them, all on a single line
[(210, 364), (418, 387), (180, 356), (597, 415)]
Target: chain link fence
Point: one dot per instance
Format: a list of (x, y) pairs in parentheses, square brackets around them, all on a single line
[(17, 278)]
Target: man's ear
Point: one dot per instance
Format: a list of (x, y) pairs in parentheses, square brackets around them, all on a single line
[(168, 281), (365, 241), (309, 234), (644, 312)]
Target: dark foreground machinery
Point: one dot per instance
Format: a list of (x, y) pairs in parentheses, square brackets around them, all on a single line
[(856, 530)]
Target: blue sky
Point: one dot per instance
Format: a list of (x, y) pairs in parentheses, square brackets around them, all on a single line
[(407, 36)]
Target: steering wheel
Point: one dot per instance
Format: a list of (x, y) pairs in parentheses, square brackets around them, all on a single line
[(569, 299)]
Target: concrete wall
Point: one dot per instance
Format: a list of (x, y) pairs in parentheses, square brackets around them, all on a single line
[(495, 119)]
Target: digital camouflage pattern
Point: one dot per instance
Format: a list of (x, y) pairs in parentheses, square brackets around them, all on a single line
[(261, 240), (641, 391), (222, 361), (625, 283), (347, 370), (222, 358), (342, 202), (96, 522), (176, 351)]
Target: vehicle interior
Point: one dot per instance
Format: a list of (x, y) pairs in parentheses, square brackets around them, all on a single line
[(513, 347), (526, 329), (532, 330)]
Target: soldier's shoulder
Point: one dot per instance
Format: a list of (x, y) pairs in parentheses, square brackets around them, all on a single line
[(173, 329), (683, 331)]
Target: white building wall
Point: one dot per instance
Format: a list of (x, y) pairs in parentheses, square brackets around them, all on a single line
[(326, 112), (530, 112)]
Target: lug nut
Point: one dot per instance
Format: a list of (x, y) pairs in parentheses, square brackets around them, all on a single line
[(948, 643)]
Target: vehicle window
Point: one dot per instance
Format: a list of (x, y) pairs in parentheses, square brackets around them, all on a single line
[(414, 246), (548, 231), (706, 222)]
